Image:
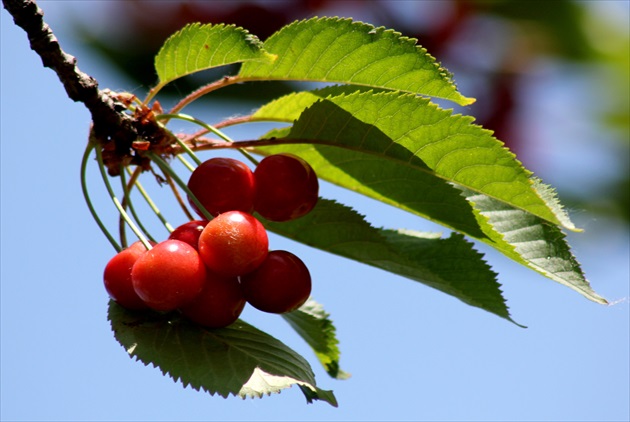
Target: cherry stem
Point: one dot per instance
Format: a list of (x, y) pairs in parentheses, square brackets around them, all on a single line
[(206, 89), (122, 233), (178, 197), (145, 195), (126, 202), (208, 128), (201, 123), (119, 207), (167, 169), (185, 163), (248, 156), (86, 195)]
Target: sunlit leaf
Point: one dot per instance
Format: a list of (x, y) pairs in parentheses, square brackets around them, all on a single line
[(413, 132), (345, 51), (412, 188), (197, 47)]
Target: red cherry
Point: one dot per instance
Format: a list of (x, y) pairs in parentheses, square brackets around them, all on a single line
[(221, 185), (281, 284), (286, 187), (169, 275), (117, 277), (233, 243), (219, 304), (189, 232)]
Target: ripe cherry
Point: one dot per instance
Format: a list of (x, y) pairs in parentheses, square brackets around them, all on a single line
[(286, 187), (281, 284), (219, 304), (117, 277), (221, 185), (189, 232), (169, 275), (233, 243)]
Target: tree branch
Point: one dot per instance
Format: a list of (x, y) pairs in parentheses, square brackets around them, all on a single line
[(110, 122)]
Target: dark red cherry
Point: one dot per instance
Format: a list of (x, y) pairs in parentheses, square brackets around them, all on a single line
[(221, 185), (282, 283), (219, 304), (189, 232), (286, 187)]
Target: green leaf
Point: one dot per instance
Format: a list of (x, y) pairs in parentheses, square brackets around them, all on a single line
[(450, 265), (532, 242), (239, 360), (413, 132), (313, 324), (404, 187), (423, 193), (525, 238), (197, 47), (344, 51)]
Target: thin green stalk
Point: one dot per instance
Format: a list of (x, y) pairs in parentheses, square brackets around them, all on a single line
[(248, 156), (149, 201), (99, 222), (185, 163), (117, 203), (178, 197), (127, 202), (192, 120), (167, 169), (208, 127)]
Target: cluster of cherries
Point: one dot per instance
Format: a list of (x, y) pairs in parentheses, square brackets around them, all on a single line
[(209, 270)]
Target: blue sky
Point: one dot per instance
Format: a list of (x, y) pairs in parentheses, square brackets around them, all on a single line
[(414, 353)]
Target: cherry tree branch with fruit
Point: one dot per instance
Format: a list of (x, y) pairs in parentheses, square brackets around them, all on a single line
[(371, 128)]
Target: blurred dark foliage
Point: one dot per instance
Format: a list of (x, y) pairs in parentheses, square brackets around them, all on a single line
[(465, 36)]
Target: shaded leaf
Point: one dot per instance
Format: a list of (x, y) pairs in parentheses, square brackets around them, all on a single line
[(345, 51), (450, 265), (532, 242), (313, 324), (239, 360)]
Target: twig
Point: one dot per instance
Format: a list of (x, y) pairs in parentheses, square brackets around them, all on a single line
[(109, 121)]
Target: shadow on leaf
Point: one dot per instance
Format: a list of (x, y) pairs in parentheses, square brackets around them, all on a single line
[(239, 360)]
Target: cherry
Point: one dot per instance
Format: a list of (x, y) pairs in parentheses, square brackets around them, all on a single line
[(189, 232), (282, 283), (221, 185), (219, 304), (169, 275), (117, 277), (286, 187), (233, 243)]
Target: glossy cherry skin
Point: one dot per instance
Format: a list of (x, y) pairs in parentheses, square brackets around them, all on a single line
[(189, 232), (169, 275), (221, 185), (233, 243), (219, 304), (117, 277), (286, 187), (281, 284)]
